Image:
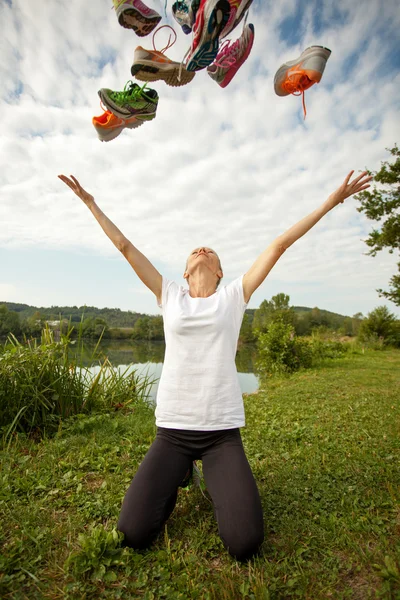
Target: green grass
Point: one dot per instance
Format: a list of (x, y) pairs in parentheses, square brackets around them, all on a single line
[(324, 445)]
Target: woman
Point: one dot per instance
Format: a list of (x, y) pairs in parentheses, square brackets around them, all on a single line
[(199, 403)]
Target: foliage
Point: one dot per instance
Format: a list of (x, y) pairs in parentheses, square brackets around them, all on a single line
[(44, 382), (247, 335), (324, 345), (99, 552), (383, 205), (9, 321), (323, 447), (276, 309), (280, 351), (149, 328), (114, 317), (381, 324), (94, 328)]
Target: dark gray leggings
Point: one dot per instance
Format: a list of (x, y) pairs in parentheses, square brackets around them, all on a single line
[(152, 494)]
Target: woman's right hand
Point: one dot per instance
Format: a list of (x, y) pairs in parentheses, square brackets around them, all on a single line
[(76, 187)]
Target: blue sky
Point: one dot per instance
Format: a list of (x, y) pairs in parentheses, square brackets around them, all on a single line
[(228, 168)]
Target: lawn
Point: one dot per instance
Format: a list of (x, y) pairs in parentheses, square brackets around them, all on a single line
[(324, 445)]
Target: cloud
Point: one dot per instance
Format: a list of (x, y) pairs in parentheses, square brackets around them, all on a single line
[(230, 168)]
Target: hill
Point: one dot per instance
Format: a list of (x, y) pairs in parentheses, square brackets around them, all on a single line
[(116, 317)]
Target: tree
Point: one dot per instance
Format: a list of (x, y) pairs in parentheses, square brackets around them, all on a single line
[(246, 331), (381, 324), (383, 205), (148, 328), (94, 328), (273, 310), (9, 322)]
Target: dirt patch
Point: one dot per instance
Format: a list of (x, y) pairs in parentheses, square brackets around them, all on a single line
[(93, 482)]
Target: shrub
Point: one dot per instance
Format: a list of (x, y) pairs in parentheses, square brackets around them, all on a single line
[(280, 351), (381, 327)]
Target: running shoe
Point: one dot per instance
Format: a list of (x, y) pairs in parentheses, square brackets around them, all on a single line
[(231, 57), (108, 126), (133, 101), (238, 9), (151, 65), (211, 18), (296, 76), (184, 13), (134, 14), (188, 477)]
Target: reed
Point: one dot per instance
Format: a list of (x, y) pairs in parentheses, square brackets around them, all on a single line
[(45, 381)]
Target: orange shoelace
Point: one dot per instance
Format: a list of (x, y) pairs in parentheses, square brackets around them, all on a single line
[(296, 83)]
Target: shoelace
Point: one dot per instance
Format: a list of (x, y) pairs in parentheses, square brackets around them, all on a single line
[(227, 48), (197, 479), (228, 52), (227, 55), (131, 90), (295, 87), (169, 43)]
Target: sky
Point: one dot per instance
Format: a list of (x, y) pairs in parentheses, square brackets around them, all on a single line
[(226, 168)]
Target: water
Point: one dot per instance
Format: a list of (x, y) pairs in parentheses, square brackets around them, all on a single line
[(146, 358)]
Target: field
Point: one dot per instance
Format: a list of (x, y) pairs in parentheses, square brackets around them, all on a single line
[(324, 445)]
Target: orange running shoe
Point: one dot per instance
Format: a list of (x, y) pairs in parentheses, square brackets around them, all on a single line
[(296, 76), (152, 65), (108, 126)]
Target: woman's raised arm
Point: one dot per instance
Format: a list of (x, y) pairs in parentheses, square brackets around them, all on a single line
[(140, 264), (267, 259)]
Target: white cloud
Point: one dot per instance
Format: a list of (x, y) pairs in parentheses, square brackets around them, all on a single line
[(230, 168)]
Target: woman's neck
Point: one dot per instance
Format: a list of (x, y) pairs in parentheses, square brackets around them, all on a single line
[(201, 286)]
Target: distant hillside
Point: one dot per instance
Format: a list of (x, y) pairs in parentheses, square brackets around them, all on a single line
[(121, 318), (114, 316)]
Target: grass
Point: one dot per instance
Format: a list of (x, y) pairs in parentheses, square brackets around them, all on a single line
[(324, 446)]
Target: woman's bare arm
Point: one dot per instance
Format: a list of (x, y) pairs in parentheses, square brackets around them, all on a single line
[(140, 264), (267, 259)]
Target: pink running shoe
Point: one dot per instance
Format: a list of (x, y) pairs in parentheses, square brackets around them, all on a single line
[(134, 14), (231, 57), (238, 9)]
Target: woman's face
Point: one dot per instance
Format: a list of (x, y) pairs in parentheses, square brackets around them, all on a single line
[(205, 256)]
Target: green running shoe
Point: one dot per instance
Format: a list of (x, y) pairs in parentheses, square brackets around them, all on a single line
[(132, 101)]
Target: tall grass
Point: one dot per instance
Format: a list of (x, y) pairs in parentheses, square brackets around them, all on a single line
[(43, 382)]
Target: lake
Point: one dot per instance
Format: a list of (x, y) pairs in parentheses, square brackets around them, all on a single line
[(147, 358)]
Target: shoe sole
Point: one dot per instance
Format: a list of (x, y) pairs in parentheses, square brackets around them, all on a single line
[(238, 17), (143, 25), (106, 135), (147, 70), (193, 9), (118, 112), (317, 57), (215, 20)]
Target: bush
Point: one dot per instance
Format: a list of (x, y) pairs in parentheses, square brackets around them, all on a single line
[(381, 327), (280, 351), (323, 347)]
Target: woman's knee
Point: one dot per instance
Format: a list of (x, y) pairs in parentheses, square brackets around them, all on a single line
[(244, 546), (136, 535)]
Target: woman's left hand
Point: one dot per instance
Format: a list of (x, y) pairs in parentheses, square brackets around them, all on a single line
[(349, 188)]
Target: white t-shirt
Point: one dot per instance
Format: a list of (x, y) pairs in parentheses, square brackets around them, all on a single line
[(199, 387)]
